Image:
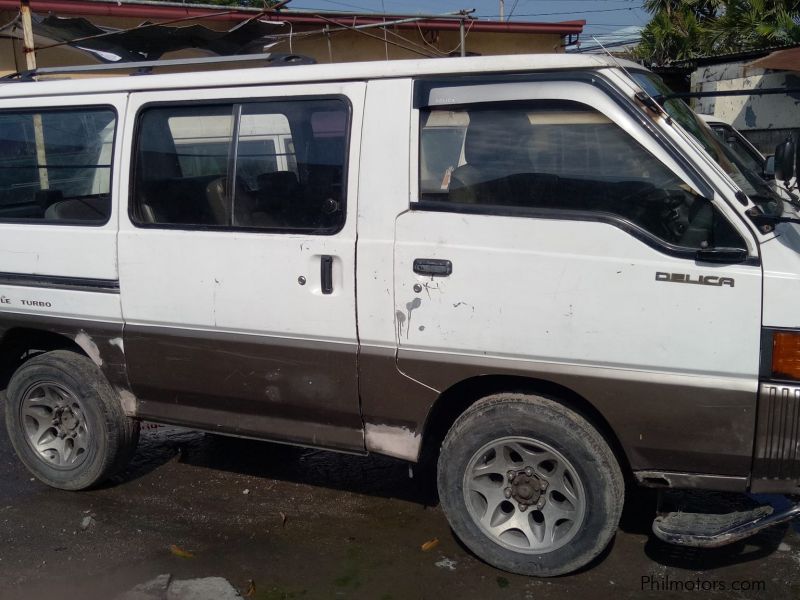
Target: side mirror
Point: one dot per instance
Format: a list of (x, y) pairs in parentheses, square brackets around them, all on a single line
[(785, 160), (769, 167)]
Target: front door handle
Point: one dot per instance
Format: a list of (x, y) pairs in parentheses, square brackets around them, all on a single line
[(434, 267)]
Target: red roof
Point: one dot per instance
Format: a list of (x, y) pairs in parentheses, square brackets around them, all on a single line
[(172, 11)]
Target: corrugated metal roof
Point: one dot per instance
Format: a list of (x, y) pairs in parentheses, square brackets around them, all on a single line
[(717, 59), (781, 60), (150, 9)]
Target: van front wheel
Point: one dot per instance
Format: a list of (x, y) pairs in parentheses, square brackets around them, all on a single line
[(529, 486), (65, 421)]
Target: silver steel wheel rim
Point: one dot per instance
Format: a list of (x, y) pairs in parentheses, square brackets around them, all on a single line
[(55, 425), (517, 516)]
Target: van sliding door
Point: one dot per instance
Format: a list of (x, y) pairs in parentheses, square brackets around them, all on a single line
[(237, 261)]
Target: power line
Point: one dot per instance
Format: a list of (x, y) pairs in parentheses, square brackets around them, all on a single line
[(577, 12), (345, 5)]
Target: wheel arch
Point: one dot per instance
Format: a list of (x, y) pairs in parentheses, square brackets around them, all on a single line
[(460, 396), (19, 344)]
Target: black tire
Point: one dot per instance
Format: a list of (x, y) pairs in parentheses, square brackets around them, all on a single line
[(509, 416), (109, 436)]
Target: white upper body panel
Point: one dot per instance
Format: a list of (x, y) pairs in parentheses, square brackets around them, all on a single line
[(310, 73)]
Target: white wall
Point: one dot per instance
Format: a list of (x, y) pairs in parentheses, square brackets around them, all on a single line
[(765, 119)]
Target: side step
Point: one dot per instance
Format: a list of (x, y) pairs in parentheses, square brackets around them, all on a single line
[(701, 530)]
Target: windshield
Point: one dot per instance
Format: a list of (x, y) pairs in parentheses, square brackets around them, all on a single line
[(749, 181)]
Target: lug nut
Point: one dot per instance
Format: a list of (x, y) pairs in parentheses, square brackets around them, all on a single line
[(507, 492), (540, 504), (543, 486), (528, 471), (511, 475), (523, 507)]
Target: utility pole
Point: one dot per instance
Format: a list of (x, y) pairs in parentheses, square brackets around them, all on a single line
[(464, 13), (27, 34), (502, 9), (29, 49)]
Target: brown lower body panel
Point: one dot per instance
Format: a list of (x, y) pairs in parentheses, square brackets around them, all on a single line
[(297, 391), (664, 422)]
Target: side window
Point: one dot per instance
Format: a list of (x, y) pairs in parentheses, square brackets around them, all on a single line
[(55, 165), (275, 165), (559, 157), (201, 141)]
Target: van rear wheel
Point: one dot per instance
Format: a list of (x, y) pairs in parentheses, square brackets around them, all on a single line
[(66, 423), (529, 486)]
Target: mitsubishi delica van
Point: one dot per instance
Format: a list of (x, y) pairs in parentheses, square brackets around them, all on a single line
[(526, 270)]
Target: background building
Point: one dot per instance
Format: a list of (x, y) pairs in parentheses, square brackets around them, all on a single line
[(326, 37)]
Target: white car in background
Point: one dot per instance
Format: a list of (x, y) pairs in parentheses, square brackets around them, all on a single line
[(748, 154)]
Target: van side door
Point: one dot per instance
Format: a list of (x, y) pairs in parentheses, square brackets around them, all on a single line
[(551, 236), (237, 260)]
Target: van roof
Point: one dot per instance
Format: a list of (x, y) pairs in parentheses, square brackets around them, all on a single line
[(355, 71)]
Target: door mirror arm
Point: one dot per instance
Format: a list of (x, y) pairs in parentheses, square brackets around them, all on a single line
[(768, 170)]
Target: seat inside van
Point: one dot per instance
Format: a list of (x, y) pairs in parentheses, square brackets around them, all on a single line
[(565, 158)]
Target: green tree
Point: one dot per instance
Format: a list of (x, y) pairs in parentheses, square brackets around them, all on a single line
[(673, 35), (681, 29), (753, 24)]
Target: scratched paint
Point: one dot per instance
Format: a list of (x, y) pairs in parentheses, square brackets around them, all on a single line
[(399, 442), (410, 308), (400, 317), (117, 341), (85, 341), (128, 401)]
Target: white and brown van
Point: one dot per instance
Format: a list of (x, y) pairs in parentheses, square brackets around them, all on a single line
[(525, 268)]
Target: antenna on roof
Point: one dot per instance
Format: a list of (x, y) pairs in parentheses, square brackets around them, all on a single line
[(642, 96)]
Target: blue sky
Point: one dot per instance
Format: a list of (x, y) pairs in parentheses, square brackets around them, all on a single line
[(602, 16)]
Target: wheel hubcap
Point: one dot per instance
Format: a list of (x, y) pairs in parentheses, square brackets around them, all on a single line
[(524, 495), (55, 425)]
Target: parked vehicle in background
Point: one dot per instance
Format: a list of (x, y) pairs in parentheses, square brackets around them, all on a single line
[(741, 147), (522, 270), (748, 155)]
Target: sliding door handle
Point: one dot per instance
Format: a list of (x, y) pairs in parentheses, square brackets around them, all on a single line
[(435, 267), (326, 274)]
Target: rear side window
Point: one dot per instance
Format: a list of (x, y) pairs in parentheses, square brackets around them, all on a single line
[(558, 157), (55, 165), (275, 165)]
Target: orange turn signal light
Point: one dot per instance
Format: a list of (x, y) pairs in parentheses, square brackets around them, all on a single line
[(786, 355)]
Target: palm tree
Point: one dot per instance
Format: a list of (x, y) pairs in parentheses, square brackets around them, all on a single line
[(681, 29), (752, 24), (676, 34)]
